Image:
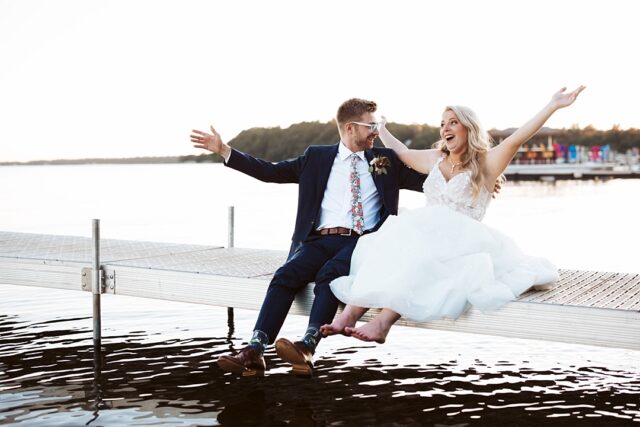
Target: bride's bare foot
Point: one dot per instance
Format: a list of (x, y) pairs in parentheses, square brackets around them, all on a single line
[(377, 328), (337, 327), (348, 331), (344, 321), (371, 331)]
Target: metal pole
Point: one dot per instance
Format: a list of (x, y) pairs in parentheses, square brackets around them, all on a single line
[(95, 283), (230, 245), (96, 290), (231, 228)]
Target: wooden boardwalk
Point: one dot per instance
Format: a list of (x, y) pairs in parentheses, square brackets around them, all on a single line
[(586, 307)]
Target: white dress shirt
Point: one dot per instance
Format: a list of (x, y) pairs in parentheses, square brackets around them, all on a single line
[(335, 210)]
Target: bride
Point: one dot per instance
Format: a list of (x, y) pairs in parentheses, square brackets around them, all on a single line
[(435, 262)]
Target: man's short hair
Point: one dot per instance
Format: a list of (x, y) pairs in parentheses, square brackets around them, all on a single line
[(352, 109)]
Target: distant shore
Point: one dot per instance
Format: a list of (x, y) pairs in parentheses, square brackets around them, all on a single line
[(124, 161)]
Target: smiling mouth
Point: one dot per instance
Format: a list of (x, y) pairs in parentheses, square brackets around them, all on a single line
[(448, 138)]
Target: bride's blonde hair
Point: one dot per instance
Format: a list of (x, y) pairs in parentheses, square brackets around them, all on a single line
[(478, 143)]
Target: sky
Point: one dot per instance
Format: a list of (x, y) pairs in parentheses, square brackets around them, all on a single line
[(131, 78)]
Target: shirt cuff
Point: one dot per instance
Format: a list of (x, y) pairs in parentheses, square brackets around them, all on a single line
[(226, 159)]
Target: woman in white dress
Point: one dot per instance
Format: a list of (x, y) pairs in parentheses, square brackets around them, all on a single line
[(437, 261)]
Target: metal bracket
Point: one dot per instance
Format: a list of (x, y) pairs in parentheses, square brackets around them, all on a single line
[(86, 278), (107, 280)]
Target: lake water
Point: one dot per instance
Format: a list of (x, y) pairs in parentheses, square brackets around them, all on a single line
[(158, 366)]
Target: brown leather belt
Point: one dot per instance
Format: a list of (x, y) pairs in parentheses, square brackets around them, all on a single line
[(336, 231)]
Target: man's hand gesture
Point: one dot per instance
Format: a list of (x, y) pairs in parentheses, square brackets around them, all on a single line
[(210, 142)]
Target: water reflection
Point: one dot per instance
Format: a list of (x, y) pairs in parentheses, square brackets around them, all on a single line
[(176, 382)]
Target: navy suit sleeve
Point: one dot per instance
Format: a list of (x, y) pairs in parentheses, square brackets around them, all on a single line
[(286, 171), (408, 178)]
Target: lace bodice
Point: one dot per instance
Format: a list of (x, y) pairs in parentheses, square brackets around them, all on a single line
[(457, 193)]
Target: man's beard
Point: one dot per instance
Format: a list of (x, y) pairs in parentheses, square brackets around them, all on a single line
[(363, 143)]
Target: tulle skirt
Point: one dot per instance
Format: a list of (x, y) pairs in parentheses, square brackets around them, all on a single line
[(433, 262)]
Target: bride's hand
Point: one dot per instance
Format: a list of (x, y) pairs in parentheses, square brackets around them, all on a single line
[(561, 99), (383, 120)]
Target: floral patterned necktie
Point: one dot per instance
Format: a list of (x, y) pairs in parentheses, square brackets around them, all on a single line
[(357, 217)]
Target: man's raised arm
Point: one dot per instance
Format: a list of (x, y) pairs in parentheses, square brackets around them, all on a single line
[(283, 172)]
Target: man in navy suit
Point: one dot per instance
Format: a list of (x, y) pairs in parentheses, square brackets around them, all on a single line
[(339, 199)]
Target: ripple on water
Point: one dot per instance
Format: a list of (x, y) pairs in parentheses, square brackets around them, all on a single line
[(154, 373)]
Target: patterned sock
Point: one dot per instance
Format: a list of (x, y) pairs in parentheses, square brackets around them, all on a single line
[(259, 341), (312, 338)]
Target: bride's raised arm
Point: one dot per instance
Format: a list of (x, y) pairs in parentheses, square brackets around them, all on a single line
[(499, 157), (419, 160)]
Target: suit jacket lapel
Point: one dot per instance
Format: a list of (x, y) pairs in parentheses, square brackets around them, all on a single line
[(325, 165), (377, 179)]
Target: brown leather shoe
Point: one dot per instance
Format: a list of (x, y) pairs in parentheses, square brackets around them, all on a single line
[(296, 353), (247, 363)]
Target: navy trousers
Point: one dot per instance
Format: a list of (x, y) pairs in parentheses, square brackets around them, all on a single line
[(319, 259)]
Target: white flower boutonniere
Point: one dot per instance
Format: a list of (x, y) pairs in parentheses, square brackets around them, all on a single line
[(379, 165)]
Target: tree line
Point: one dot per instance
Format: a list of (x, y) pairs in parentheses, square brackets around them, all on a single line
[(276, 143)]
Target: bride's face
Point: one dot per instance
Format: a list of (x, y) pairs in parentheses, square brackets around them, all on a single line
[(453, 133)]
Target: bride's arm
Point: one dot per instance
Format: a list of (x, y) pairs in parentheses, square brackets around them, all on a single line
[(419, 160), (499, 157)]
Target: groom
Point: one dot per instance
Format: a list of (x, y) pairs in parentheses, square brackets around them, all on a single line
[(339, 200)]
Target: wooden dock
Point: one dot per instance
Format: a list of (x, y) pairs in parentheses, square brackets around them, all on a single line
[(586, 307), (566, 171)]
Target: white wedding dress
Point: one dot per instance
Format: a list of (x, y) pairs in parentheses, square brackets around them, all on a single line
[(437, 261)]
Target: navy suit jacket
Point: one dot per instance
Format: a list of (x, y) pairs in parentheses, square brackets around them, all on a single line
[(311, 172)]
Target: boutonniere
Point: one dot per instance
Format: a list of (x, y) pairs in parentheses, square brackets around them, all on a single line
[(379, 165)]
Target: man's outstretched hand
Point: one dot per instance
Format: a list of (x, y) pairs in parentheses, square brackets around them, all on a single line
[(210, 142)]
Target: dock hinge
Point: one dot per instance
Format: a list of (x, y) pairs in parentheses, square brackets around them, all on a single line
[(107, 280)]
